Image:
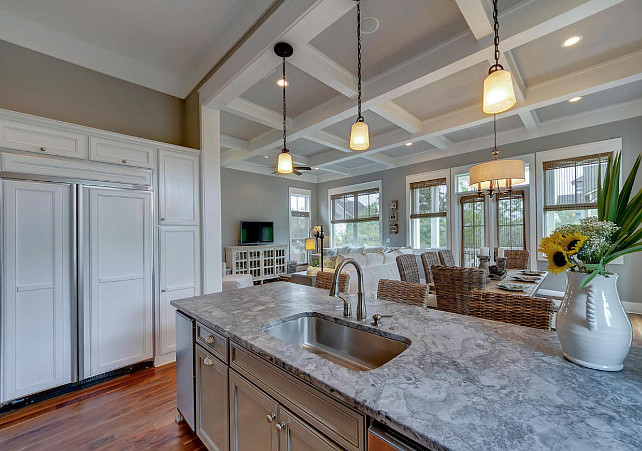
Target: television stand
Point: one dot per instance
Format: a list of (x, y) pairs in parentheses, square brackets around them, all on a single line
[(262, 261)]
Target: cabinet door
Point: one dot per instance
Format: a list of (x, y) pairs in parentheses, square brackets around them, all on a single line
[(41, 139), (36, 298), (120, 152), (179, 278), (119, 304), (212, 407), (178, 188), (295, 435), (252, 417)]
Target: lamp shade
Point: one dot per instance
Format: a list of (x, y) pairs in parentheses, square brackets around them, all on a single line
[(359, 137), (284, 163), (498, 92), (497, 171), (310, 244)]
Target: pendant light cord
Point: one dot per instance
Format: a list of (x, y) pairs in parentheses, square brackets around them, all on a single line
[(496, 66), (284, 109), (360, 117), (495, 149)]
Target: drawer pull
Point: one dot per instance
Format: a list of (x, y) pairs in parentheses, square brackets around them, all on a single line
[(163, 290), (271, 417), (208, 361), (281, 426), (162, 219), (43, 148), (125, 161), (211, 340)]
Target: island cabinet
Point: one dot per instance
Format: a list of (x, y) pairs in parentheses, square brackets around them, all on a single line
[(211, 400)]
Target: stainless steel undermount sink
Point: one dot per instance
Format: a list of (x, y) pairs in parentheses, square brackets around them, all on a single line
[(339, 341)]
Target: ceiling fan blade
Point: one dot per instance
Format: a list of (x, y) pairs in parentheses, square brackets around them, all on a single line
[(303, 168)]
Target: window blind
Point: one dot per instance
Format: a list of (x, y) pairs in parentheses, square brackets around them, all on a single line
[(428, 199), (355, 206)]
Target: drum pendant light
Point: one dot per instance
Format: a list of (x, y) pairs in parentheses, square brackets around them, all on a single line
[(359, 136), (498, 86), (284, 164)]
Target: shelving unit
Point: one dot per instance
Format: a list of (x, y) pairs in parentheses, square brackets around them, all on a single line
[(263, 262)]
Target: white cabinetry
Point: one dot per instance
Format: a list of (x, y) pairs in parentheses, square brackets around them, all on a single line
[(121, 152), (178, 188), (42, 139), (179, 277), (262, 262), (36, 307), (118, 304)]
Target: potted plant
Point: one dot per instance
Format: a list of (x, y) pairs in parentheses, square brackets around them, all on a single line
[(592, 326)]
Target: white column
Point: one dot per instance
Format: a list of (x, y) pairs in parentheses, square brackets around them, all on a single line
[(211, 200)]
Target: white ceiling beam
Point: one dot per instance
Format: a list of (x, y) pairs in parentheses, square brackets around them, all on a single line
[(440, 142), (234, 143), (330, 140), (324, 69), (476, 16), (530, 120), (394, 113), (256, 113), (381, 159)]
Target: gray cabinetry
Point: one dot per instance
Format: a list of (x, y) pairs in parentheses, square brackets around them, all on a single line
[(296, 435), (211, 400)]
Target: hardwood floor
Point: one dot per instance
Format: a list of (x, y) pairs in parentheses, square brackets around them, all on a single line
[(131, 412)]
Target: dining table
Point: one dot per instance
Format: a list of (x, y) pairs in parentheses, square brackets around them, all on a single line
[(530, 288)]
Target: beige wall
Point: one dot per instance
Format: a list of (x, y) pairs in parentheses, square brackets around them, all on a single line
[(192, 136), (34, 83)]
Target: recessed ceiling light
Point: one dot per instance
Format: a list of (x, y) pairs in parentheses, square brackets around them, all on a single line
[(408, 144), (369, 25), (282, 82), (316, 169), (575, 99), (571, 41), (266, 156)]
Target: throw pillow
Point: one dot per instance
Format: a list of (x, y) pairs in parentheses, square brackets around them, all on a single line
[(373, 258)]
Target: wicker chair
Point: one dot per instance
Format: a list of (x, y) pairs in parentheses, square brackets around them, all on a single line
[(512, 308), (324, 280), (402, 292), (516, 259), (408, 268), (453, 284), (446, 257), (429, 259)]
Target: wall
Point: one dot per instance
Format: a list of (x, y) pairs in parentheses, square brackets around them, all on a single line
[(394, 181), (38, 84), (256, 197), (192, 129)]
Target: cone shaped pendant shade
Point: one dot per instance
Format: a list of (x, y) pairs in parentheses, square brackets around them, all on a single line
[(359, 137), (284, 163), (498, 92)]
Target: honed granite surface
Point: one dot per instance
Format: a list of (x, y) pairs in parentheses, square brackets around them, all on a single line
[(463, 384)]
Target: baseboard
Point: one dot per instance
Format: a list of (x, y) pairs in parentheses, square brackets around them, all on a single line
[(633, 307), (164, 359)]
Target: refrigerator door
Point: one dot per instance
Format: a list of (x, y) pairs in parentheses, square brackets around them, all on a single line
[(117, 260), (37, 294)]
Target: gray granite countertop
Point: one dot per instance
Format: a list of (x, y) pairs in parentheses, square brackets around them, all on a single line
[(463, 384)]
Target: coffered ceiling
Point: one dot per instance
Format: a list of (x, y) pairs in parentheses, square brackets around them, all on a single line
[(423, 73)]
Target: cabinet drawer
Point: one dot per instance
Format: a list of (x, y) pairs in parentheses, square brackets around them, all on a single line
[(335, 420), (212, 341), (45, 140), (119, 152)]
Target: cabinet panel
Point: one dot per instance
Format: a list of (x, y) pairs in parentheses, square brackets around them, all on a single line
[(45, 140), (120, 152), (178, 183), (36, 310), (249, 411), (179, 277), (295, 435), (212, 407), (120, 268)]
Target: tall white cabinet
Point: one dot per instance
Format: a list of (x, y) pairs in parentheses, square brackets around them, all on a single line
[(37, 304), (118, 300)]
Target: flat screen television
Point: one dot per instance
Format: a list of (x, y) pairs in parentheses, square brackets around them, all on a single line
[(256, 232)]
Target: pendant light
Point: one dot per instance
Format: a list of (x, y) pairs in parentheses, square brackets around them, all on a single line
[(284, 164), (498, 86), (496, 176), (359, 137)]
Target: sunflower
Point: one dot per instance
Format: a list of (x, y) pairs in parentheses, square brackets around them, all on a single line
[(557, 257), (573, 242), (554, 238)]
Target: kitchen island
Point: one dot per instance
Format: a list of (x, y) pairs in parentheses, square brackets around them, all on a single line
[(462, 384)]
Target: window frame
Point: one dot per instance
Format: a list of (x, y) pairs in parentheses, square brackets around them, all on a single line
[(606, 146), (515, 193), (472, 199), (368, 186), (292, 191), (426, 176)]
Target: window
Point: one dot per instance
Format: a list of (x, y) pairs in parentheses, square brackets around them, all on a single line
[(355, 218), (428, 214), (299, 224), (570, 189), (511, 232), (473, 212)]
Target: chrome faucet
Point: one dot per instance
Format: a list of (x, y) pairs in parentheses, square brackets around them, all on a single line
[(334, 289)]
